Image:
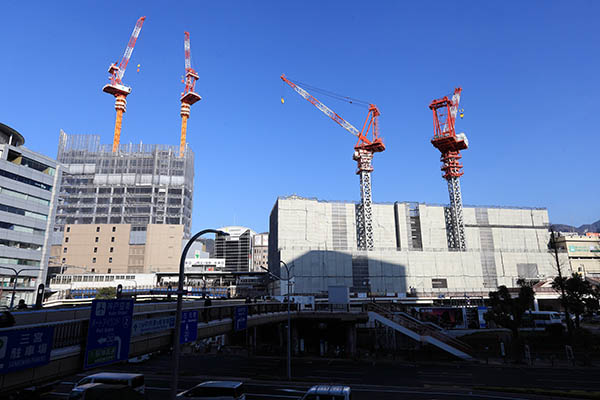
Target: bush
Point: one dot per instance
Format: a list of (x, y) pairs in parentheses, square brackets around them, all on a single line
[(106, 293)]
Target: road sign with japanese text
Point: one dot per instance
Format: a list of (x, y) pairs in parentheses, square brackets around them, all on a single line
[(25, 348), (189, 326), (109, 332)]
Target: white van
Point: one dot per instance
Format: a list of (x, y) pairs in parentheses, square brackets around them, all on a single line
[(134, 381), (541, 319)]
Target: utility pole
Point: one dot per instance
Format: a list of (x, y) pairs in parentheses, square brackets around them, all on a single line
[(562, 284)]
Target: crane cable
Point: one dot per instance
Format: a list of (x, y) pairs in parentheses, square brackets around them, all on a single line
[(331, 94)]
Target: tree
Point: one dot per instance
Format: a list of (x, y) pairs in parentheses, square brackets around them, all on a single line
[(106, 293), (579, 295), (506, 310)]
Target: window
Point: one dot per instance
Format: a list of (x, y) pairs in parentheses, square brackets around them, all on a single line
[(110, 260), (108, 272), (93, 261), (65, 250), (114, 229), (95, 249), (97, 239), (111, 249), (112, 239), (93, 269), (97, 229), (64, 260), (68, 229), (66, 240)]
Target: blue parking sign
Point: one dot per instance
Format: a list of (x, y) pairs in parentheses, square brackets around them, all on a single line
[(109, 332), (189, 326), (25, 348)]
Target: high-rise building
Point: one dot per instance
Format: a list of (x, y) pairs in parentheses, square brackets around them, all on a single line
[(140, 184), (29, 183), (260, 252), (236, 248), (583, 251), (412, 253)]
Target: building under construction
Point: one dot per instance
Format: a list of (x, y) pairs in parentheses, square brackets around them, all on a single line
[(412, 250), (139, 184)]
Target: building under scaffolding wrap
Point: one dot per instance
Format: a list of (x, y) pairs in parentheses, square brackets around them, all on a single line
[(139, 184)]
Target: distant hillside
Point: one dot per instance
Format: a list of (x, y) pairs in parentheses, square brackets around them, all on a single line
[(595, 227)]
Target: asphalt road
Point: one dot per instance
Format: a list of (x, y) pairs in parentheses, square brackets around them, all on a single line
[(264, 378)]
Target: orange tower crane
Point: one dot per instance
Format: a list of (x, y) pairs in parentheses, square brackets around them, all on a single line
[(450, 144), (188, 97), (116, 86), (363, 155)]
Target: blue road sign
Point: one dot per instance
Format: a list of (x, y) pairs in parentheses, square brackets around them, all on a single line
[(109, 332), (240, 318), (25, 348), (189, 326)]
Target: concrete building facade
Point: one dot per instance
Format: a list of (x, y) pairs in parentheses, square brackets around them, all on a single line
[(117, 249), (411, 248), (583, 252), (29, 183), (260, 252), (138, 185)]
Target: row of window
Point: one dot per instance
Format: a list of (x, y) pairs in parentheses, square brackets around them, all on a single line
[(21, 228), (109, 260), (20, 159), (25, 180), (24, 196), (20, 211), (19, 261), (111, 250), (20, 245), (114, 229), (91, 278)]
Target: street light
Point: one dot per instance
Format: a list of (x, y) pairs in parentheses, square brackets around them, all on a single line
[(12, 298), (289, 285), (180, 306)]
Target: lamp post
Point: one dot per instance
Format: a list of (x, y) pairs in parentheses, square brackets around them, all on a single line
[(12, 298), (289, 289), (180, 306)]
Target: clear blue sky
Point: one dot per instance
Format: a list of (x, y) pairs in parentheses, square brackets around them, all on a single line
[(529, 72)]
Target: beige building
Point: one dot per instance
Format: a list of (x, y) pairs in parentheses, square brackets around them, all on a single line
[(115, 248), (583, 251), (260, 252)]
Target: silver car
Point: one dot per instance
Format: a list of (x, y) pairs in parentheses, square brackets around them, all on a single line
[(328, 392)]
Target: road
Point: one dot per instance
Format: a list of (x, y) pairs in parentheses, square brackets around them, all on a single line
[(384, 380)]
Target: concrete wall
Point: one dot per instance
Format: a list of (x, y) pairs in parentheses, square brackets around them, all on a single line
[(163, 248)]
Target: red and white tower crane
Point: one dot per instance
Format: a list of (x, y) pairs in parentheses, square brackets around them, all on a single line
[(116, 86), (363, 155), (188, 97), (450, 144)]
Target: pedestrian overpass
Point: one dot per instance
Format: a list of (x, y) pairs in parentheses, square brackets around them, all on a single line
[(151, 331)]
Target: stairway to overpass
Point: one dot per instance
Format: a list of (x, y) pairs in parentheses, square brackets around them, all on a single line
[(419, 331)]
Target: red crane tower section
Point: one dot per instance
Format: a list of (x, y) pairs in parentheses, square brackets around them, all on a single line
[(363, 154), (116, 86), (450, 144), (188, 97)]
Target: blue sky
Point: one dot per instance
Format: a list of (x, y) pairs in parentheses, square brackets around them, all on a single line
[(528, 72)]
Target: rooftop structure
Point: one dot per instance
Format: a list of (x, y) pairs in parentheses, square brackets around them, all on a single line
[(140, 184)]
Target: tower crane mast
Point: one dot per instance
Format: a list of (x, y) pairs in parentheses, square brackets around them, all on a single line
[(188, 97), (363, 155), (450, 144), (116, 86)]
